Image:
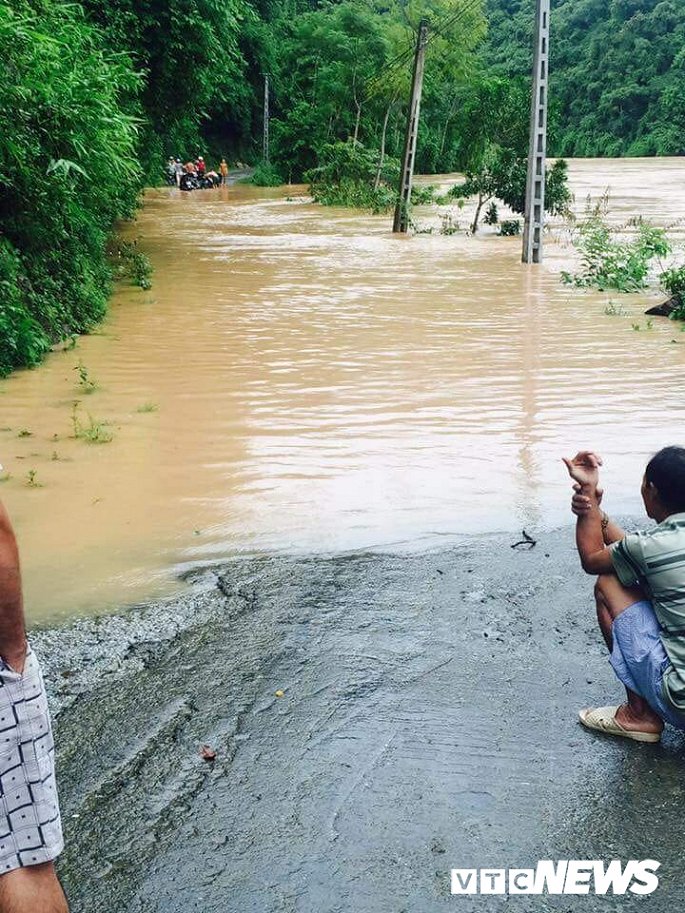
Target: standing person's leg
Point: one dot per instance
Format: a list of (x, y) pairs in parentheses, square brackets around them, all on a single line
[(613, 599), (33, 889), (30, 825)]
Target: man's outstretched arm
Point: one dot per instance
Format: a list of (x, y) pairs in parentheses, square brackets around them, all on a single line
[(580, 504), (595, 557), (12, 624)]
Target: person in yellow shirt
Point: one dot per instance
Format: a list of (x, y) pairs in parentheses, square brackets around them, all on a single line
[(223, 171)]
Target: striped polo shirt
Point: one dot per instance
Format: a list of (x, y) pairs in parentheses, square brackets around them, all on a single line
[(656, 560)]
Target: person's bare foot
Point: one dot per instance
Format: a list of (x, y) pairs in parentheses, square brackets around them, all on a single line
[(647, 721)]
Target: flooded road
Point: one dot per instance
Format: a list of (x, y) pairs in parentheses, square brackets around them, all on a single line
[(298, 380)]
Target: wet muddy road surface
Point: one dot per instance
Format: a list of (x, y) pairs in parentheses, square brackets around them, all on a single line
[(428, 721)]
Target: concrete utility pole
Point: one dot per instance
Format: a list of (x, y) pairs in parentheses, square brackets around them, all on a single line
[(401, 221), (265, 145), (537, 154)]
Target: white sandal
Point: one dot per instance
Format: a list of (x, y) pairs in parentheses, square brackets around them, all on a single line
[(603, 719)]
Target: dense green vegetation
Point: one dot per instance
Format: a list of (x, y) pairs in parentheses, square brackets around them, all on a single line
[(68, 167), (98, 93), (190, 53), (493, 125), (617, 71), (333, 82)]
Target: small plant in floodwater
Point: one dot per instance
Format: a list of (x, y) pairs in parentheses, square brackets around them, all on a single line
[(673, 281), (610, 261), (85, 381), (94, 432), (510, 228), (55, 457), (32, 479), (636, 327), (615, 310), (649, 325), (448, 225), (147, 407), (492, 215), (6, 476), (132, 263), (25, 433), (70, 343)]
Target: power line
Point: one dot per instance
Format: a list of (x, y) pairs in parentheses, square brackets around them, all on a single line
[(446, 22), (403, 57)]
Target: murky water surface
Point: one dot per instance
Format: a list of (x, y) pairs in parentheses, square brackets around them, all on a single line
[(298, 379)]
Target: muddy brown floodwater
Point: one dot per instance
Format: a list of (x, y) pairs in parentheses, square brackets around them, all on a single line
[(299, 380)]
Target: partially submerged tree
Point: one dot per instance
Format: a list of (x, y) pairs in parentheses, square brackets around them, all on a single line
[(493, 120)]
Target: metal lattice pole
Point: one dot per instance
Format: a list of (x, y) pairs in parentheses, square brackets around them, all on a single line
[(537, 155), (401, 220), (265, 143)]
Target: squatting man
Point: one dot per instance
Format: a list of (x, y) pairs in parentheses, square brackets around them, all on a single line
[(640, 595), (30, 827)]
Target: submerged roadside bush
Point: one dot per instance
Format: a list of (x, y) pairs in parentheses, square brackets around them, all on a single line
[(67, 171), (265, 175), (673, 282), (131, 263), (350, 175), (612, 262)]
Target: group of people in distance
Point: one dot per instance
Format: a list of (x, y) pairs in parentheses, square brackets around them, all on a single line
[(197, 169)]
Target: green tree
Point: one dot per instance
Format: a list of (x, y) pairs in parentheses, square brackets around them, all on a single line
[(189, 54), (68, 170), (616, 71), (494, 122)]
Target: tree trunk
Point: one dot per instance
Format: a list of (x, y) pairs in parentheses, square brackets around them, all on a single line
[(449, 117), (358, 106), (381, 160), (481, 203), (667, 308), (356, 123)]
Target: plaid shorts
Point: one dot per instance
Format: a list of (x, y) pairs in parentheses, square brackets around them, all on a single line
[(30, 825)]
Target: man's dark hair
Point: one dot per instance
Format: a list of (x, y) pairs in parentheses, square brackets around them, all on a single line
[(666, 472)]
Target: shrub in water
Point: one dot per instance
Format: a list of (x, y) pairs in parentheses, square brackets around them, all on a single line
[(609, 262), (350, 175), (265, 175)]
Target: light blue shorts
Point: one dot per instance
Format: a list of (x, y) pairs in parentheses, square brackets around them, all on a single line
[(639, 658)]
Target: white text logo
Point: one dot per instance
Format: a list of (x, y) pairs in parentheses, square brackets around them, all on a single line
[(566, 876)]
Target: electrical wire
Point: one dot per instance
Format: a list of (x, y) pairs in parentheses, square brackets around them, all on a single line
[(396, 63), (439, 26)]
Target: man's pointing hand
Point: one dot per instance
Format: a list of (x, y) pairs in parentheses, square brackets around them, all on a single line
[(584, 469)]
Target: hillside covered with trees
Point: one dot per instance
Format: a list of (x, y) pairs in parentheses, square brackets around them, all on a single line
[(617, 71)]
